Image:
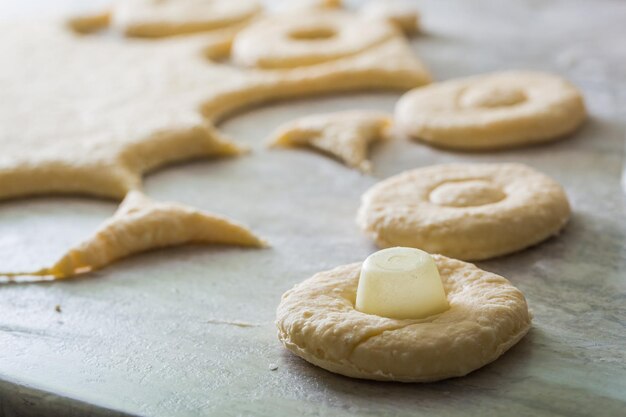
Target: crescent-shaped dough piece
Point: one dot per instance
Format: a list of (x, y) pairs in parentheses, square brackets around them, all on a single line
[(465, 211), (345, 135), (141, 224), (492, 111), (160, 18), (317, 321), (295, 39)]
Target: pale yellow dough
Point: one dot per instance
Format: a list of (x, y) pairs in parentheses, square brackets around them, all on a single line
[(317, 321), (160, 18), (141, 224), (345, 135), (465, 211), (402, 14), (90, 114), (491, 111), (297, 39)]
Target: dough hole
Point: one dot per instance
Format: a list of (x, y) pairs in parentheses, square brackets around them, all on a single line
[(492, 96), (319, 33), (467, 193)]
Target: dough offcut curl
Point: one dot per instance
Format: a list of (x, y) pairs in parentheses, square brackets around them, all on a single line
[(317, 321), (465, 211), (492, 111)]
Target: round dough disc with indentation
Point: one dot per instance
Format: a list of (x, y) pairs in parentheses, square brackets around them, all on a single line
[(317, 321), (491, 111), (159, 18), (298, 39), (466, 211)]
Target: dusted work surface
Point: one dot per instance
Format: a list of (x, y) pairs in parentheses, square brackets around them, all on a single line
[(161, 334)]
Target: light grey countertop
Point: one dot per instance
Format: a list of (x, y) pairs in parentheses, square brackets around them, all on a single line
[(140, 336)]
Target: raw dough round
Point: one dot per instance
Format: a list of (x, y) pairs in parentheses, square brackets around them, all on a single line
[(317, 321), (466, 211), (159, 18), (492, 111), (297, 39)]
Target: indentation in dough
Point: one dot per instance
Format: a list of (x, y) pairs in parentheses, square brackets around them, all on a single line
[(141, 224), (490, 96), (467, 193), (465, 211), (492, 111), (345, 135)]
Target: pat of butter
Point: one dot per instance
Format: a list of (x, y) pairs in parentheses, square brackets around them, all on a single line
[(400, 283)]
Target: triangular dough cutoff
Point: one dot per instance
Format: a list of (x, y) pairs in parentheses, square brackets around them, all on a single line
[(139, 225), (91, 114), (345, 135)]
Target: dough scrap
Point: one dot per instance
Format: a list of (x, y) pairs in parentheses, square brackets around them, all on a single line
[(140, 224), (295, 39), (345, 135), (161, 18), (90, 22), (317, 321), (121, 107), (465, 211), (402, 14), (491, 111)]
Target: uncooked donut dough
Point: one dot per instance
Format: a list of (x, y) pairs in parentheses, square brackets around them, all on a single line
[(402, 14), (317, 321), (158, 18), (345, 135), (498, 110), (298, 39), (118, 108), (141, 224), (465, 211)]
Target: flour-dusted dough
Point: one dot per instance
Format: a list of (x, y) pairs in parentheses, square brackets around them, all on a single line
[(317, 321), (297, 39), (400, 13), (141, 224), (117, 108), (491, 111), (345, 135), (465, 211), (159, 18)]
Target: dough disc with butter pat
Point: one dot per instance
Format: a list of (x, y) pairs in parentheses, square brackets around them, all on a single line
[(466, 211), (346, 135), (317, 321), (159, 18), (298, 39), (492, 111)]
